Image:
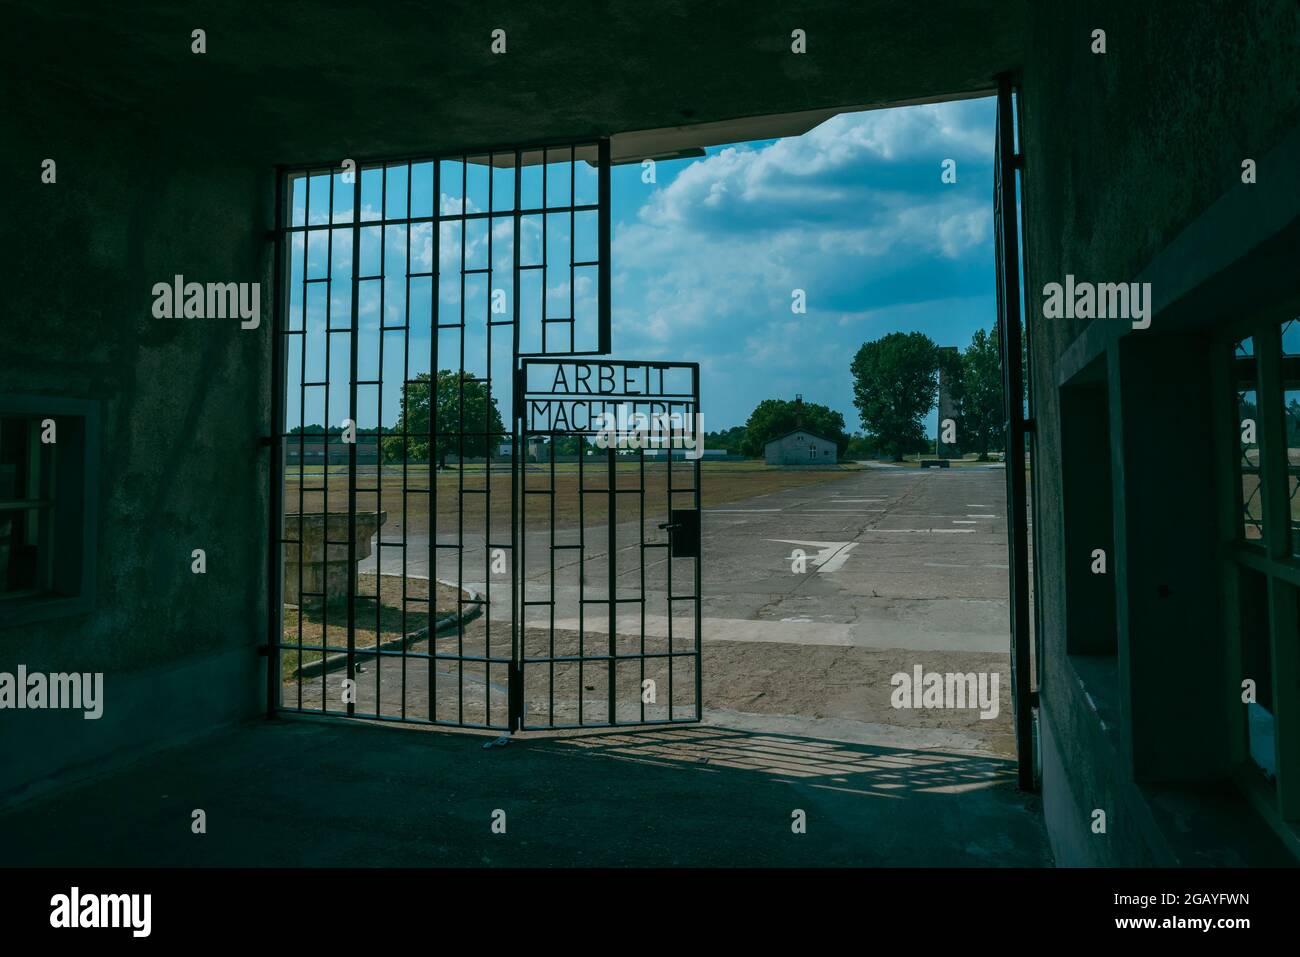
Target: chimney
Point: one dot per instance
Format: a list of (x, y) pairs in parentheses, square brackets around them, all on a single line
[(798, 411)]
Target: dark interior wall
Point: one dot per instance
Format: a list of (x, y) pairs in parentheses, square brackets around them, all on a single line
[(1086, 464), (181, 403), (1123, 151)]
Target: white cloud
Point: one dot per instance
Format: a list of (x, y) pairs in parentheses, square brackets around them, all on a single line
[(853, 212)]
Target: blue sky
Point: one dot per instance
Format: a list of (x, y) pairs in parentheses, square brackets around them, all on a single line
[(704, 261), (853, 212)]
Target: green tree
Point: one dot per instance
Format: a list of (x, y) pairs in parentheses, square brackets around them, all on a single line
[(979, 425), (773, 418), (481, 415), (894, 388), (860, 446), (730, 440)]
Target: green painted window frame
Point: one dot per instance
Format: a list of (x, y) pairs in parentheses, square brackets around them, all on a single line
[(1272, 557)]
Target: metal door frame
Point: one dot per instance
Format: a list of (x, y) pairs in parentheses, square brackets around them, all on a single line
[(1008, 166), (289, 323), (689, 403)]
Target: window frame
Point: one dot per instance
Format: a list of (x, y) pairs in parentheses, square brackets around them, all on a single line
[(74, 514), (42, 500), (1272, 557)]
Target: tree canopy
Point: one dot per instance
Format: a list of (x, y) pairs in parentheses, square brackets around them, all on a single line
[(776, 417), (481, 416), (894, 387), (979, 395)]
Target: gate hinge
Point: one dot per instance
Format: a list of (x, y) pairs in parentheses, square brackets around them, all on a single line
[(1030, 425), (264, 651), (266, 441)]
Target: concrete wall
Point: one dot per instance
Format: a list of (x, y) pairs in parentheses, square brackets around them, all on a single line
[(1124, 151), (182, 404)]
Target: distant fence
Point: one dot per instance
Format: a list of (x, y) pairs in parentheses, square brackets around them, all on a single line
[(677, 454), (316, 452)]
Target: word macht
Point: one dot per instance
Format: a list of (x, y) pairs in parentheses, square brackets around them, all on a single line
[(103, 910), (931, 689), (59, 690), (1105, 300), (214, 300)]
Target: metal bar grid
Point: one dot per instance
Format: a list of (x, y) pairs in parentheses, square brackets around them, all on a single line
[(317, 377), (533, 404)]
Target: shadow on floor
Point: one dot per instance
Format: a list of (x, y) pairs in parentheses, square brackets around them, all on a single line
[(330, 793)]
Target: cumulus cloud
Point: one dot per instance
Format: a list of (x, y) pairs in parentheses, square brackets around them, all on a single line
[(853, 212)]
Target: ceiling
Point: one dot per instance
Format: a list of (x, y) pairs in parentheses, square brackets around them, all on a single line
[(298, 82)]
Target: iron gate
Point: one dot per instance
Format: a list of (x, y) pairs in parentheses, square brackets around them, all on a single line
[(609, 547), (412, 295)]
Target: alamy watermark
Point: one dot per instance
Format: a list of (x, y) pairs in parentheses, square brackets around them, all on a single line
[(1103, 300), (37, 691), (179, 299), (950, 690), (656, 430), (75, 909)]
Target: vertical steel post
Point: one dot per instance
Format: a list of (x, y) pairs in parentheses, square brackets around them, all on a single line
[(515, 674), (613, 580), (1009, 319), (603, 228), (352, 454), (275, 473)]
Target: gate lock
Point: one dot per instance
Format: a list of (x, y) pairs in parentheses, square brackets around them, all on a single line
[(683, 533)]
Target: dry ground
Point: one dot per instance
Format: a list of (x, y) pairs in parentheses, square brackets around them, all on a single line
[(325, 623), (720, 482)]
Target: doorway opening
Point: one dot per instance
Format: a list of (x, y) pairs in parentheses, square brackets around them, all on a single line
[(472, 553)]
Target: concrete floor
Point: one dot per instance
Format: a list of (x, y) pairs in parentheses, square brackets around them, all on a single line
[(897, 557), (316, 792)]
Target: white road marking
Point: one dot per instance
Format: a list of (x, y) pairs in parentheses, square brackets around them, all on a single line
[(962, 521), (977, 515), (922, 515), (854, 511), (743, 510), (861, 500), (724, 629), (969, 505), (830, 555), (925, 531)]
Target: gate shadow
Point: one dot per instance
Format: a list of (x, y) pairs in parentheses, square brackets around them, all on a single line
[(311, 792), (866, 769)]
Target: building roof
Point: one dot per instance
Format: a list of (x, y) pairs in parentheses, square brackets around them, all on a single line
[(815, 435)]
